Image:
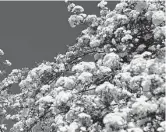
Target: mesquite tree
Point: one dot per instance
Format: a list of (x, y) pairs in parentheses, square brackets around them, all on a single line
[(121, 90)]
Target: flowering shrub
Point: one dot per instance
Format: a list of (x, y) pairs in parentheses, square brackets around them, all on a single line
[(122, 90)]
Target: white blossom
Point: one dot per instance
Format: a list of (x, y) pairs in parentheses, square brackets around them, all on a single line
[(84, 39), (85, 119), (73, 127), (159, 31), (120, 6), (37, 71), (92, 20), (141, 107), (160, 129), (30, 121), (46, 99), (134, 14), (75, 20), (59, 120), (1, 52), (18, 126), (66, 1), (131, 125), (126, 38), (85, 77), (62, 97), (77, 9), (102, 4), (106, 86), (95, 43), (104, 69), (137, 65), (158, 17), (121, 18), (70, 7), (61, 67), (119, 31), (66, 82), (84, 115), (45, 88), (110, 14), (109, 21), (8, 63), (3, 127), (84, 66), (114, 119), (26, 82), (163, 125), (111, 60)]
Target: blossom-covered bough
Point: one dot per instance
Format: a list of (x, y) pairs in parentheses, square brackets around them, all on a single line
[(6, 81), (122, 90), (3, 66)]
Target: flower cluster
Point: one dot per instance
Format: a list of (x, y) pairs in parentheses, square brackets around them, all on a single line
[(5, 86), (122, 90)]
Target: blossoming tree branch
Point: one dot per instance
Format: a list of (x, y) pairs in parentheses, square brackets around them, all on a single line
[(121, 90)]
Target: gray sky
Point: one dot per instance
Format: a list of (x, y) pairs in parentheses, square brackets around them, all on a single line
[(34, 31)]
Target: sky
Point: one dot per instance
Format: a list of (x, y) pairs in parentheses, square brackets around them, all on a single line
[(33, 31)]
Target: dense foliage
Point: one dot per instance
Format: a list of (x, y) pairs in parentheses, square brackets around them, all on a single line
[(121, 90)]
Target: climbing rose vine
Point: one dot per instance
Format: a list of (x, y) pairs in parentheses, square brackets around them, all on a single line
[(121, 90)]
